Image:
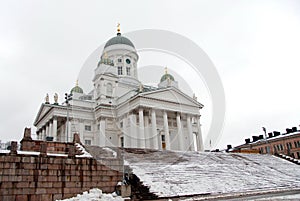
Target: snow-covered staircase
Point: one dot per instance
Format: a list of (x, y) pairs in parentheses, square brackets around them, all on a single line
[(172, 174)]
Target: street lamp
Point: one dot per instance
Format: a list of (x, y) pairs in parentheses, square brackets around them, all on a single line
[(68, 97)]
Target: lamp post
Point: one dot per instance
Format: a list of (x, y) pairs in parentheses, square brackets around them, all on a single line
[(68, 97), (268, 149)]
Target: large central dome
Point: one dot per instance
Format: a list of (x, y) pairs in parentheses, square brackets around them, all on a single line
[(119, 39)]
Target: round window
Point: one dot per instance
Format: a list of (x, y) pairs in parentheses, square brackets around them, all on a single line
[(128, 61)]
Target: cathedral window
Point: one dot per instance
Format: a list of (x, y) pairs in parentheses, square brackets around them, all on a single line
[(120, 72), (128, 70), (122, 141), (87, 142), (119, 60), (87, 127)]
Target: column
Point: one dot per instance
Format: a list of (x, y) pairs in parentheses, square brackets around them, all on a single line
[(81, 131), (199, 138), (69, 132), (146, 130), (62, 136), (46, 132), (180, 133), (133, 134), (40, 134), (102, 138), (50, 129), (190, 133), (54, 129), (141, 136), (154, 137), (43, 134), (166, 131), (126, 134)]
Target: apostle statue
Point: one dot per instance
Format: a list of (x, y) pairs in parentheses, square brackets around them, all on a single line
[(55, 99), (47, 99)]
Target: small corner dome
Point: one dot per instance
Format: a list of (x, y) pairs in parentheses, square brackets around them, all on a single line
[(77, 89), (119, 39), (167, 76)]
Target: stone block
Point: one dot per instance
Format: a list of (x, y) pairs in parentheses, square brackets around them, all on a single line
[(13, 147), (44, 184), (28, 191), (29, 166), (43, 149), (57, 184), (76, 138), (21, 198), (40, 191), (46, 197), (53, 166), (25, 159), (105, 178), (53, 191), (57, 196), (22, 184), (8, 197)]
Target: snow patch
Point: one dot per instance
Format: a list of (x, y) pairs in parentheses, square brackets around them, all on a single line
[(85, 153), (112, 151), (94, 194)]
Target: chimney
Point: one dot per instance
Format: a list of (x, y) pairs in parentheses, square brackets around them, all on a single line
[(247, 140), (261, 137), (255, 138), (294, 129), (288, 130), (229, 146), (276, 133), (270, 135)]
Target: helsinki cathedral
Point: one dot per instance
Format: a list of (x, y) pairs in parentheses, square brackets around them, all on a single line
[(122, 112)]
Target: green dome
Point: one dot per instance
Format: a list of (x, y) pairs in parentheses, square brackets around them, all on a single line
[(166, 76), (77, 89), (119, 40)]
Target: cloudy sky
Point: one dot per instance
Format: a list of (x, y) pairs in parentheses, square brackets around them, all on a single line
[(253, 44)]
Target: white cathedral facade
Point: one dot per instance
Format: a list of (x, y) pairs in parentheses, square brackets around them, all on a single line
[(122, 112)]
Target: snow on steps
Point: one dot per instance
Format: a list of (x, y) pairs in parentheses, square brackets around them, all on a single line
[(170, 173), (288, 158)]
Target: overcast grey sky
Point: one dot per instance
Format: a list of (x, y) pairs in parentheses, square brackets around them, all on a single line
[(253, 44)]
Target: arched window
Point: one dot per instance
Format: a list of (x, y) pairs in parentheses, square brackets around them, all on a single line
[(109, 89), (120, 72), (128, 70)]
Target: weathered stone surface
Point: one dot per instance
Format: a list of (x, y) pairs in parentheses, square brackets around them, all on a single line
[(44, 177)]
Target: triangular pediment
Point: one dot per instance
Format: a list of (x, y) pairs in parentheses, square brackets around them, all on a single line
[(171, 94), (44, 109)]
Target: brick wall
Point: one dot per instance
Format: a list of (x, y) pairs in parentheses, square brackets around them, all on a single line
[(34, 177), (46, 171)]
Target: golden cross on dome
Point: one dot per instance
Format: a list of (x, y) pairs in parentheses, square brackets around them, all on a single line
[(77, 82), (119, 29), (166, 70)]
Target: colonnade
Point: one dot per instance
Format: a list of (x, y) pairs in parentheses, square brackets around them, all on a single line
[(135, 134)]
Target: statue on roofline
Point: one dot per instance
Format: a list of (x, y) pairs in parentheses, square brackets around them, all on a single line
[(47, 99)]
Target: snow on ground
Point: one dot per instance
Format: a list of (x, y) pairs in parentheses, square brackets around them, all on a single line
[(112, 151), (178, 173), (85, 153), (94, 194)]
